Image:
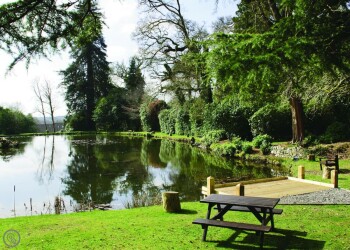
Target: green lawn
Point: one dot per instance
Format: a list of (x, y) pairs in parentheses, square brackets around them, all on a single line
[(313, 172), (299, 227)]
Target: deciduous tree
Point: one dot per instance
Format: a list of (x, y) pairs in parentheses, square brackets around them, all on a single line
[(281, 47)]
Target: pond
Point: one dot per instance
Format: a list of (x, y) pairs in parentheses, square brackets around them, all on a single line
[(87, 170)]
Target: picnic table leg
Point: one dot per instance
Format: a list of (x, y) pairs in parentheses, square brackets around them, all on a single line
[(205, 227), (205, 230), (272, 221), (219, 210), (261, 240)]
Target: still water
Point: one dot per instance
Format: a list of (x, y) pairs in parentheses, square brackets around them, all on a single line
[(105, 169)]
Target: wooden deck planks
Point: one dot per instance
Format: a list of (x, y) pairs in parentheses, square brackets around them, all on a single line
[(275, 189)]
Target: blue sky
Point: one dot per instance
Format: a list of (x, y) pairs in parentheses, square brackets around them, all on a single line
[(121, 18)]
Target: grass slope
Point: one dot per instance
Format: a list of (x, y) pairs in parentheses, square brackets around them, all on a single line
[(313, 172), (299, 227)]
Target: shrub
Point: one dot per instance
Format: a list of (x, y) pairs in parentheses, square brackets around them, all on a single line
[(230, 116), (319, 116), (271, 120), (167, 119), (336, 132), (247, 147), (183, 124), (226, 149), (214, 136), (265, 147), (260, 139), (237, 141), (197, 117), (319, 150), (310, 140)]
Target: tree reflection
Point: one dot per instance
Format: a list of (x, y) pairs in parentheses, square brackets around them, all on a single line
[(7, 153), (88, 180), (140, 169), (101, 165), (46, 166)]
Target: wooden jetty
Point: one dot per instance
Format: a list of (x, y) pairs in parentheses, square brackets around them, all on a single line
[(272, 187)]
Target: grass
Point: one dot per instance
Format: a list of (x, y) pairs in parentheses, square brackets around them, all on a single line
[(299, 227), (313, 172)]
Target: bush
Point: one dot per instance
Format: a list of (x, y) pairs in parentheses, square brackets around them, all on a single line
[(214, 136), (272, 120), (226, 149), (197, 117), (247, 147), (229, 116), (183, 124), (310, 140), (260, 139), (319, 116), (265, 147), (237, 141), (167, 119), (336, 132)]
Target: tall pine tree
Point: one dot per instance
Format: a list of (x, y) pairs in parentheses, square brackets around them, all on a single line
[(87, 78)]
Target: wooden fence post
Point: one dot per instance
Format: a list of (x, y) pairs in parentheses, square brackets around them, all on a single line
[(210, 185), (334, 178), (301, 172)]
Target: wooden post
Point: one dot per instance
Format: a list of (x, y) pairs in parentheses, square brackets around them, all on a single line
[(334, 178), (210, 185), (240, 189), (301, 172), (326, 173), (171, 201)]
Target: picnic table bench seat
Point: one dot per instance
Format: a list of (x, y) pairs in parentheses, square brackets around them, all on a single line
[(234, 225), (246, 209)]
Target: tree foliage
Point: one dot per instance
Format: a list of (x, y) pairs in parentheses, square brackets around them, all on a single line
[(134, 90), (149, 112), (34, 28), (281, 51), (15, 122), (87, 78)]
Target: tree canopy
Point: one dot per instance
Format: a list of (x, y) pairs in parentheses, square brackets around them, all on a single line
[(282, 51)]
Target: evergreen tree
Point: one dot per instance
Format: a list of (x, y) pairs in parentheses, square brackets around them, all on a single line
[(86, 79), (134, 84)]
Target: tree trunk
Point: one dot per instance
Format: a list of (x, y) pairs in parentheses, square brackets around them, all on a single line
[(90, 91), (171, 202), (297, 119)]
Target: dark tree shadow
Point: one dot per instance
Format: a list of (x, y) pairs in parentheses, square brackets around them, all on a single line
[(187, 211), (278, 239)]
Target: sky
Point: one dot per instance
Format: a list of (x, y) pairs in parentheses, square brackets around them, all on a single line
[(16, 86)]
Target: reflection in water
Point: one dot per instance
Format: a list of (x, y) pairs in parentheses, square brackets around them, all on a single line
[(105, 169), (46, 166), (7, 153)]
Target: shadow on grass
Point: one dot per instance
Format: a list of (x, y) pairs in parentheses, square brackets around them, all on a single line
[(278, 239), (344, 171), (187, 211)]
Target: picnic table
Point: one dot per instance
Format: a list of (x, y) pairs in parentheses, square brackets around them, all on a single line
[(262, 208)]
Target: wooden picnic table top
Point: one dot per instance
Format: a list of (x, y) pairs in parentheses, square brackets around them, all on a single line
[(247, 201)]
